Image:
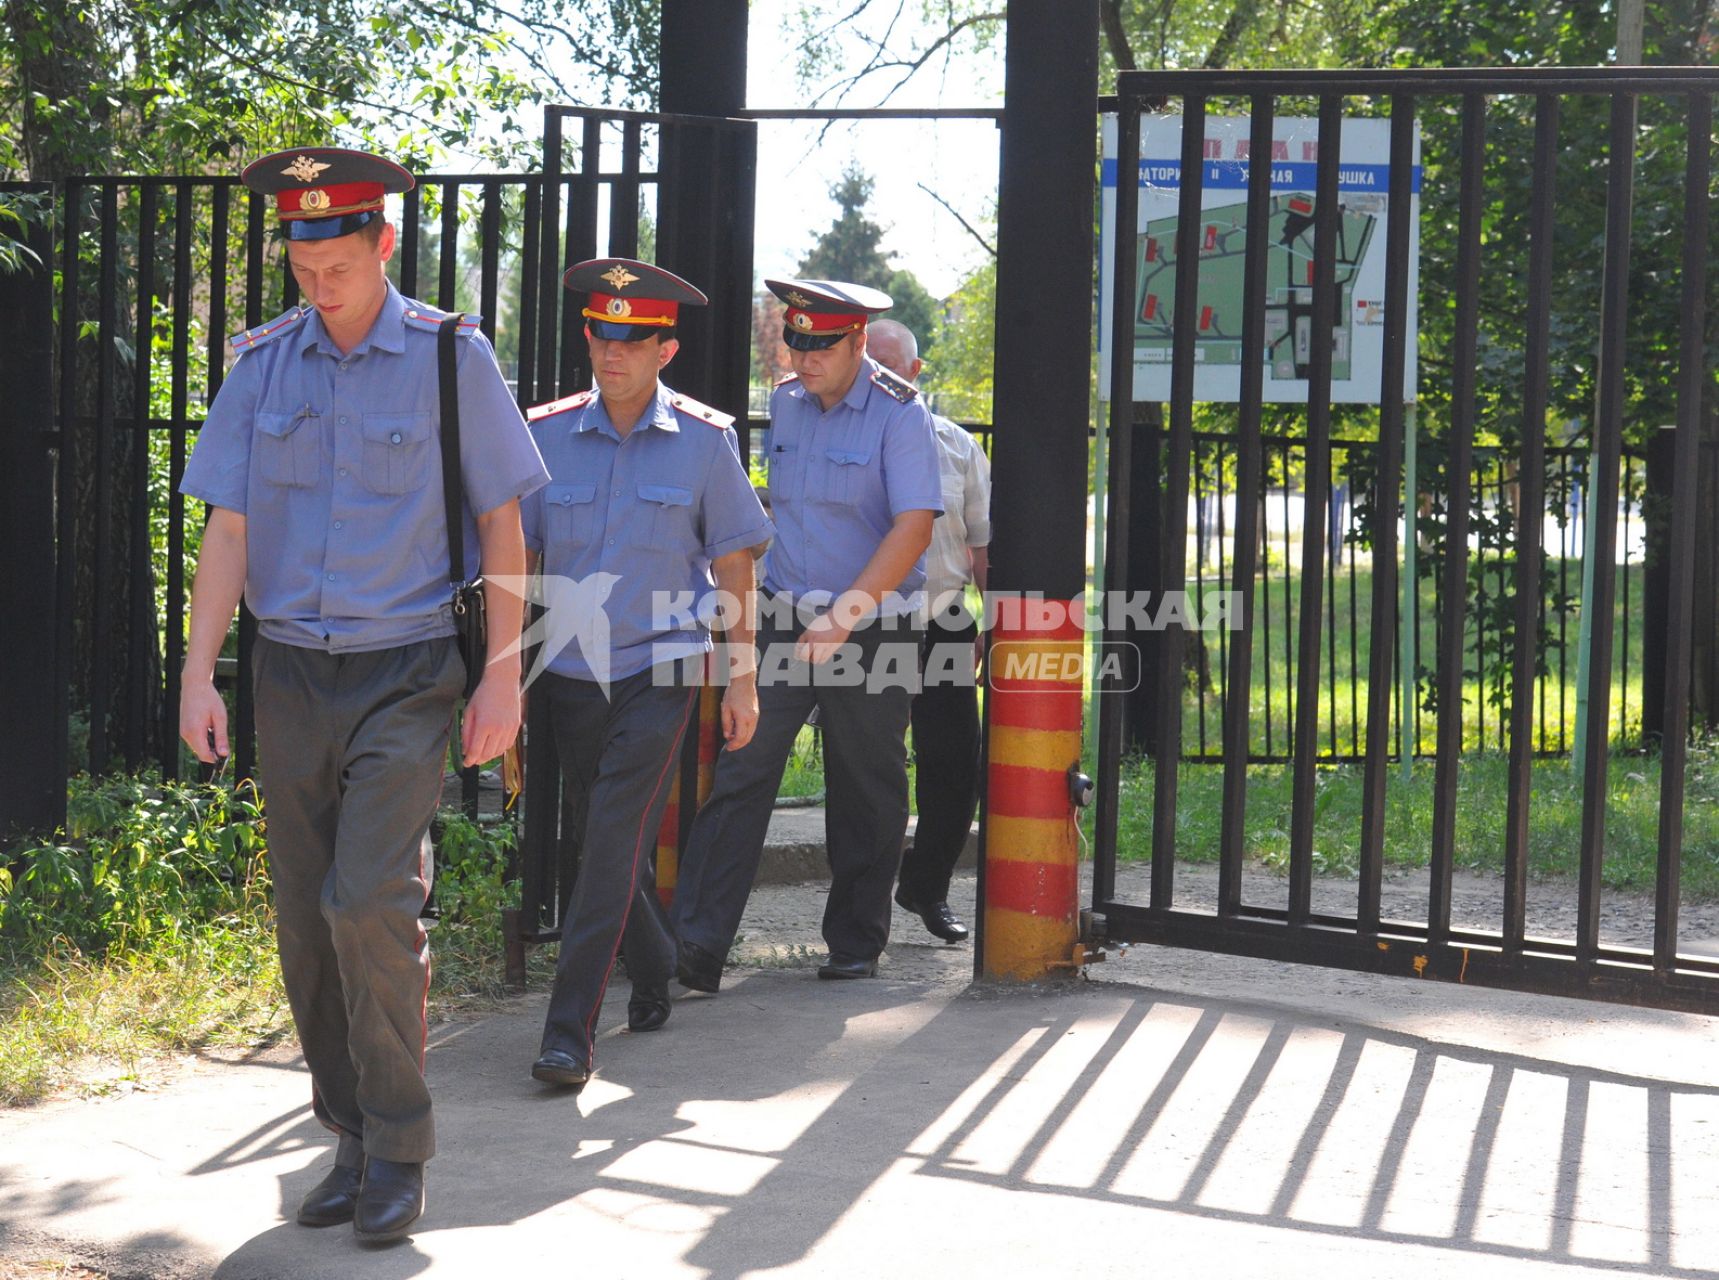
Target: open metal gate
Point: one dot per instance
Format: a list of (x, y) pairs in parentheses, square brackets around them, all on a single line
[(612, 180), (1362, 936)]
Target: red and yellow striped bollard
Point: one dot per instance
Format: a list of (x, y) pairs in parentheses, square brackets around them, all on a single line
[(1032, 843)]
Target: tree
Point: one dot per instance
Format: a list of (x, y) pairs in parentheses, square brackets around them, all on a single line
[(851, 250)]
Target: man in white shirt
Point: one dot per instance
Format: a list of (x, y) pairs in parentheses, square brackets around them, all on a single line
[(946, 710)]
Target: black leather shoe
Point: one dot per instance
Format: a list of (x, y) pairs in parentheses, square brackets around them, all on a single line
[(938, 919), (331, 1201), (840, 967), (560, 1068), (648, 1008), (697, 969), (390, 1200)]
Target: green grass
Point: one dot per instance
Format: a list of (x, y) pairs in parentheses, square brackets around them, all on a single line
[(147, 928), (1555, 818), (1343, 683)]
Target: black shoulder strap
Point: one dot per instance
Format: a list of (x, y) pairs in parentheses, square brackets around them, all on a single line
[(446, 356)]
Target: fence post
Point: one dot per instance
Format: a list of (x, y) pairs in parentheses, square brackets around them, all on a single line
[(32, 752), (1656, 581)]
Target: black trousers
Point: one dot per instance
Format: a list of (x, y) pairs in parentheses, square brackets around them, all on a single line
[(864, 724), (352, 748), (618, 752), (946, 759)]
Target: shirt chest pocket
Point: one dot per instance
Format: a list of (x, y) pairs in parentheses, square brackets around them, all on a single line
[(569, 513), (666, 516), (397, 452), (846, 475), (289, 448)]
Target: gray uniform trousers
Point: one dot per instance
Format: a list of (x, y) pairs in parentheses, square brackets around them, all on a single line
[(865, 786), (352, 748), (619, 752)]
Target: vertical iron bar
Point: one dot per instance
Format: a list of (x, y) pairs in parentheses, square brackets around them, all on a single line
[(141, 622), (1603, 510), (70, 464), (1289, 685), (1333, 554), (1199, 570), (530, 244), (1222, 577), (1565, 535), (489, 270), (1250, 457), (1458, 474), (1265, 605), (1315, 502), (548, 275), (1354, 610), (448, 256), (411, 227), (1123, 302), (184, 219), (101, 637), (1674, 749), (624, 195), (245, 743), (1623, 659), (1532, 505), (1174, 547)]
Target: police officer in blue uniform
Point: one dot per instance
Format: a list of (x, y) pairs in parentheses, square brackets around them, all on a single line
[(321, 463), (854, 490), (648, 504)]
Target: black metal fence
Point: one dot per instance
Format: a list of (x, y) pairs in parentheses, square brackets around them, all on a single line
[(154, 274), (1432, 946), (1488, 645)]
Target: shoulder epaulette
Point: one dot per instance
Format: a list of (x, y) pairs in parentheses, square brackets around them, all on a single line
[(264, 334), (422, 317), (703, 412), (786, 378), (577, 400), (894, 387)]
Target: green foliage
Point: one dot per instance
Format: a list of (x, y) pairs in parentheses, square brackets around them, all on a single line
[(852, 251), (17, 212), (960, 380), (140, 863), (177, 86)]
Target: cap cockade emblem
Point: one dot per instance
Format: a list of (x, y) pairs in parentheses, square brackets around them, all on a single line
[(314, 199), (304, 169), (620, 277), (801, 320), (620, 307)]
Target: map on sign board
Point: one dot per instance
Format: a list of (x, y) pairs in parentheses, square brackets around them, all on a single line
[(1221, 237)]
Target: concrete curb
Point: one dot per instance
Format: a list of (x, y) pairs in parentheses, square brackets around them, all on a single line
[(794, 847)]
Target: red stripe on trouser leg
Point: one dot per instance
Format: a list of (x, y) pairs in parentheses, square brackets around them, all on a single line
[(1017, 791), (1035, 888), (633, 884)]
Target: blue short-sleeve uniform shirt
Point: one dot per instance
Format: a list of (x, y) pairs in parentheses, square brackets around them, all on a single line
[(335, 462), (635, 522), (839, 479)]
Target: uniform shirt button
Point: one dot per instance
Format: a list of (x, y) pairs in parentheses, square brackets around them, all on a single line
[(611, 542), (617, 493), (343, 471), (343, 419), (395, 437), (337, 524), (331, 577)]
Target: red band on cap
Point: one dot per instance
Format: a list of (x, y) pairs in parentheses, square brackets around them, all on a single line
[(328, 202), (822, 324), (615, 310)]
